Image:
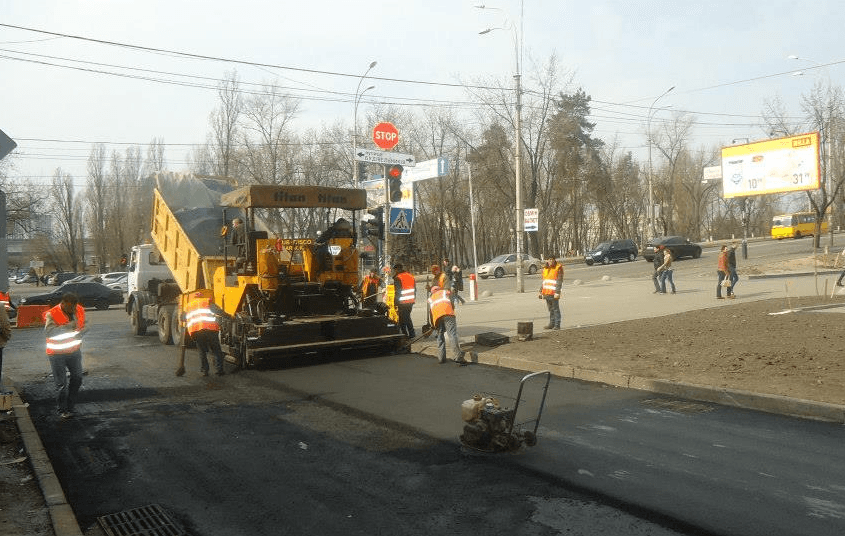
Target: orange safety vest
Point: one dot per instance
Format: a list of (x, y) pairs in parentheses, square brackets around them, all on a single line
[(550, 277), (440, 304), (69, 341), (198, 315), (4, 301), (368, 280), (407, 296)]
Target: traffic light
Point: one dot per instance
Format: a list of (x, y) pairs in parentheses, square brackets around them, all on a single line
[(375, 227), (394, 183), (362, 171)]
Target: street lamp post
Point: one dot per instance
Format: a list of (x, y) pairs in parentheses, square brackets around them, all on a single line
[(828, 134), (517, 159), (651, 215), (358, 95)]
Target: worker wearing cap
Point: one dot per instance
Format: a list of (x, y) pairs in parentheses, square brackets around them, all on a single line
[(442, 319), (200, 318), (64, 325), (404, 296), (439, 279), (551, 288)]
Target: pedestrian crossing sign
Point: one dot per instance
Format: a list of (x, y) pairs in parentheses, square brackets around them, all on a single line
[(401, 220)]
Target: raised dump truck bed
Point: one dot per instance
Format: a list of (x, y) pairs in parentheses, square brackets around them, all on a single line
[(281, 296)]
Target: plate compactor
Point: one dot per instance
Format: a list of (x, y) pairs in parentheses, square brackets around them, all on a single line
[(491, 428)]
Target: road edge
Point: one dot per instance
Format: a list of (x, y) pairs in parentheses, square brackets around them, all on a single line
[(777, 404), (61, 514)]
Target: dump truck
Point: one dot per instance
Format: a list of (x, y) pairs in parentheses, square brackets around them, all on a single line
[(281, 296)]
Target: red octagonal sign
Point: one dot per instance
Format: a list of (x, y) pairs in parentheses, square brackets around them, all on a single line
[(385, 136)]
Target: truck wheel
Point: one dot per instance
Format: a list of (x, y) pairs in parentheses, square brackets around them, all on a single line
[(139, 325), (164, 334)]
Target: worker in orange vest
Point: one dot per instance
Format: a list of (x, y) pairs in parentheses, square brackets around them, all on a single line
[(201, 323), (369, 289), (64, 326), (551, 288), (6, 303), (404, 296), (442, 317)]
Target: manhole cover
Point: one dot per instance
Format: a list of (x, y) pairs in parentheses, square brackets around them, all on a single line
[(149, 520), (680, 406)]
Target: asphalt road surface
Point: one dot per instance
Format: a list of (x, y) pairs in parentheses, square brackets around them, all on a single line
[(370, 446)]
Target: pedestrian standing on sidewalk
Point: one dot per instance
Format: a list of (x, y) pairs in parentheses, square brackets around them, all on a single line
[(666, 270), (657, 262), (732, 268), (64, 326), (442, 319), (457, 285), (724, 273), (550, 290)]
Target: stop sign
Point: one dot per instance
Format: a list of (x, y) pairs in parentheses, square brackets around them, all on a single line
[(385, 136)]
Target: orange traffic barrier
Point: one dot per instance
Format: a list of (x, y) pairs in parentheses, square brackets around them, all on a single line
[(31, 316)]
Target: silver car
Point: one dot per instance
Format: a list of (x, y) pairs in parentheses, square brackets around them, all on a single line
[(506, 265)]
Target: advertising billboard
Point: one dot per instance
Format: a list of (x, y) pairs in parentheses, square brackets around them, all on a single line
[(772, 166)]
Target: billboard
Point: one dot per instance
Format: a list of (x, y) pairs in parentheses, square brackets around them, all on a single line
[(772, 166)]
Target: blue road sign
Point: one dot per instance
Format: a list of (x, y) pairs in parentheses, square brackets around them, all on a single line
[(401, 220)]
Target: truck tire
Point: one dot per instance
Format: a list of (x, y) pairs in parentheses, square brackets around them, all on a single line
[(139, 325), (164, 334)]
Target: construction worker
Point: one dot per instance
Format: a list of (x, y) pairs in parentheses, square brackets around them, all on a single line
[(442, 319), (6, 303), (369, 289), (64, 326), (201, 323), (404, 295), (440, 279), (551, 288)]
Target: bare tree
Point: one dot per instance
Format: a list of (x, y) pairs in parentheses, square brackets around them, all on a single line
[(67, 208), (97, 201)]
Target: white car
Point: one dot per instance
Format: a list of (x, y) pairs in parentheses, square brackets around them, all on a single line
[(506, 265), (120, 283)]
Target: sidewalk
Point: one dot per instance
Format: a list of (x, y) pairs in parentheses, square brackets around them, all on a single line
[(608, 301)]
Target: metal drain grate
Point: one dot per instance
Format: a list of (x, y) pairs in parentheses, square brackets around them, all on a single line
[(149, 520)]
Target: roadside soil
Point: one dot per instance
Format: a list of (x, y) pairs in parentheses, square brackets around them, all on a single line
[(790, 348), (22, 509)]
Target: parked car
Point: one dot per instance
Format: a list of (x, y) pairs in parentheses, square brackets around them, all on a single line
[(61, 277), (612, 251), (84, 278), (90, 295), (111, 276), (678, 245), (120, 283), (26, 278), (506, 265)]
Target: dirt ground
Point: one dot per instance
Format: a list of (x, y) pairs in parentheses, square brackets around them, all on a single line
[(775, 347), (21, 502)]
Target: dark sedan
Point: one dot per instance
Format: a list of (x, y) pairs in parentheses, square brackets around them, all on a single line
[(678, 245), (90, 295)]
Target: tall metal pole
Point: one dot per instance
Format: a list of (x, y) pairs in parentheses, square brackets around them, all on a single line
[(520, 227), (650, 212), (472, 216), (355, 177)]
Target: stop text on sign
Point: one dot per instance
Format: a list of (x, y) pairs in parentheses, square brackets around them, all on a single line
[(385, 135)]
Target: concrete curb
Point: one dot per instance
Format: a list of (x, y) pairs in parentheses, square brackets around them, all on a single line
[(781, 405), (61, 514)]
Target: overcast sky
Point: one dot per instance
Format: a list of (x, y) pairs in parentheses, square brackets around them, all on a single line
[(724, 58)]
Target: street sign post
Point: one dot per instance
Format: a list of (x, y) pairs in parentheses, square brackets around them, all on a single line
[(385, 158), (7, 145), (531, 219), (427, 169), (401, 220), (385, 136)]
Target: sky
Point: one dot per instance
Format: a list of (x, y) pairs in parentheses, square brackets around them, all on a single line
[(723, 58)]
